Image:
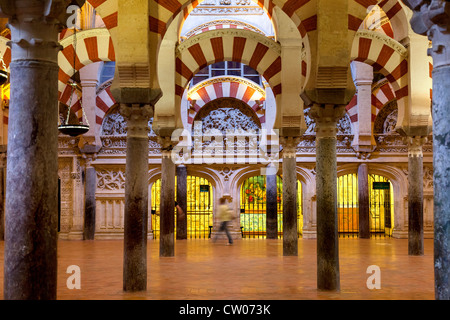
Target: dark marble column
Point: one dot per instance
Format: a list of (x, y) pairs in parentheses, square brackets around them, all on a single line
[(326, 117), (271, 206), (363, 200), (290, 233), (432, 19), (90, 182), (415, 196), (182, 202), (31, 206), (167, 210), (136, 197)]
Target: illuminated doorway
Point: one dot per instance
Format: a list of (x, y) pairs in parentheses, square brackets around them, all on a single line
[(381, 202), (253, 207), (381, 206), (199, 208)]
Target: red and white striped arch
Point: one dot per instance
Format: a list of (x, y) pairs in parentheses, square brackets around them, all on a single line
[(247, 47), (92, 45), (105, 101), (388, 57), (392, 8), (73, 100), (302, 12), (108, 11), (226, 87), (382, 94)]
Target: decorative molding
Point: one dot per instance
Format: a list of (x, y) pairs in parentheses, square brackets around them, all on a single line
[(211, 24), (227, 7), (110, 179)]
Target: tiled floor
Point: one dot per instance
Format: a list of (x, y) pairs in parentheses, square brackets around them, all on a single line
[(250, 269)]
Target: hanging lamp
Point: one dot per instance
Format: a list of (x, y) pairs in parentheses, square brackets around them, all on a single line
[(74, 130)]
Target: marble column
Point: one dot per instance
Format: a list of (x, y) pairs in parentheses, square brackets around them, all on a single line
[(415, 195), (363, 201), (90, 183), (167, 217), (326, 118), (271, 206), (31, 206), (182, 202), (290, 233), (136, 197), (432, 19)]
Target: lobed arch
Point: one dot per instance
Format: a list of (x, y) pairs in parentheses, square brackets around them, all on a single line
[(226, 86)]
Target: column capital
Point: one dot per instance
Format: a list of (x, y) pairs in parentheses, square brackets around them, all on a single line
[(167, 146), (433, 19), (326, 117), (89, 158), (137, 117), (415, 145), (289, 146), (34, 28)]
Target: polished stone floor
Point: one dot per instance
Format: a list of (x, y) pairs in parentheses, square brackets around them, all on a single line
[(250, 269)]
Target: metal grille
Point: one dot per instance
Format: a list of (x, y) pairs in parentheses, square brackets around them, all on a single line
[(199, 208), (253, 208), (348, 208), (155, 212), (381, 206)]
